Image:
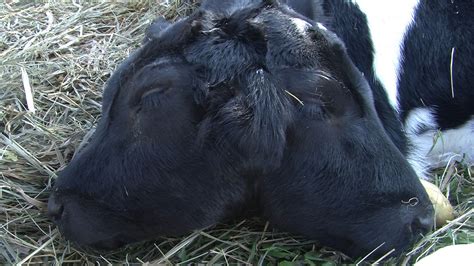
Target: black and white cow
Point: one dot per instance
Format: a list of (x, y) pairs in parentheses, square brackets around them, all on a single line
[(247, 105), (422, 51), (419, 53)]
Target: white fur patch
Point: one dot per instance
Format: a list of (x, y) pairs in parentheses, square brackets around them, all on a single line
[(433, 148), (321, 26), (301, 25), (388, 21)]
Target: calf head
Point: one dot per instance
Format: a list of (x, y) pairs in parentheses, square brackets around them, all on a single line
[(249, 101), (328, 169), (144, 173)]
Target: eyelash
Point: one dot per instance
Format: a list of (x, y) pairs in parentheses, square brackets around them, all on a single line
[(151, 100)]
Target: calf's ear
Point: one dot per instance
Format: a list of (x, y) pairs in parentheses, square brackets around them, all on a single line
[(155, 28), (175, 34), (311, 9)]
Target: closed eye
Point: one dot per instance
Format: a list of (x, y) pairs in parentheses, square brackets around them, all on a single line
[(153, 91), (311, 107), (313, 111), (152, 98)]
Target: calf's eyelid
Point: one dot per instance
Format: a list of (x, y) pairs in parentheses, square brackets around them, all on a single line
[(312, 110), (149, 97), (159, 90)]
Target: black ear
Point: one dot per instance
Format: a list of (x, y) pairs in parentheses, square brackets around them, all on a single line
[(311, 9), (155, 28), (174, 33), (227, 7)]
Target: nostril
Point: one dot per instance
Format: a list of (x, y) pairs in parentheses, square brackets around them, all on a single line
[(422, 224), (55, 209)]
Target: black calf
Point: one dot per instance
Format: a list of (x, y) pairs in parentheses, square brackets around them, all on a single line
[(244, 103)]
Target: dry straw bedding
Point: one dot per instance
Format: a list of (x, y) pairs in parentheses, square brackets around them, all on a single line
[(63, 53)]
